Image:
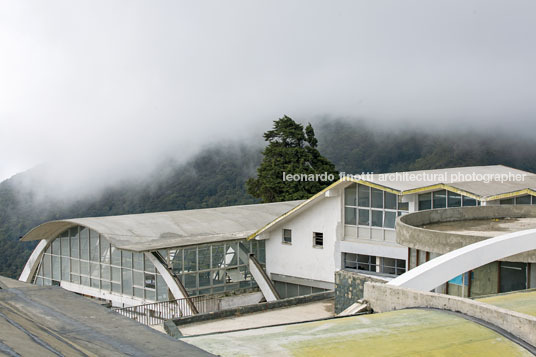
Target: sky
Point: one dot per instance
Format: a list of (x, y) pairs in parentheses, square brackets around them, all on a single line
[(111, 86)]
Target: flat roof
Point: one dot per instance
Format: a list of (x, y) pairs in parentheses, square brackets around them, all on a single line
[(152, 231), (43, 321), (411, 332)]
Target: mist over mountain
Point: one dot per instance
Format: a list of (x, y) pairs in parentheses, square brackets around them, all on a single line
[(216, 175)]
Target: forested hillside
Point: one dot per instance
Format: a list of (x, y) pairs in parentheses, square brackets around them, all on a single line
[(216, 176)]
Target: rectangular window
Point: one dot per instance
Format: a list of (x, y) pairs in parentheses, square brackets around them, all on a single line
[(393, 266), (84, 243), (390, 200), (350, 214), (507, 201), (377, 198), (454, 199), (377, 218), (523, 200), (440, 199), (350, 195), (287, 236), (318, 239), (403, 206), (390, 218), (364, 217), (363, 196), (468, 201), (366, 262), (425, 201)]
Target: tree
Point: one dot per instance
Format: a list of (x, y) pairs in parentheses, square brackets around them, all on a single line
[(291, 153)]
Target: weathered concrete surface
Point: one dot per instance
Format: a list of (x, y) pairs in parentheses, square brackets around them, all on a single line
[(521, 301), (152, 231), (383, 298), (349, 288), (50, 321), (423, 230), (435, 272), (305, 312), (398, 333)]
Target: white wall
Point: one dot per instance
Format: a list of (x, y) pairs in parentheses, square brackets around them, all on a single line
[(301, 259)]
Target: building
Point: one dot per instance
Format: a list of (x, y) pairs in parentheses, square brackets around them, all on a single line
[(137, 259), (284, 249), (351, 224)]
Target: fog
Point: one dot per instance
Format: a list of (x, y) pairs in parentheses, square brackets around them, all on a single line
[(105, 89)]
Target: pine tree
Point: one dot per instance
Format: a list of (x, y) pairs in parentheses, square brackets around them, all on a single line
[(291, 150)]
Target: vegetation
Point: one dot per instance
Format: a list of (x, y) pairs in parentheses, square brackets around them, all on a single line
[(217, 176), (291, 150)]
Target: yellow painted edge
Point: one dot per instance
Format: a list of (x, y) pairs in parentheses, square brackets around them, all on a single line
[(259, 231), (396, 192), (511, 194)]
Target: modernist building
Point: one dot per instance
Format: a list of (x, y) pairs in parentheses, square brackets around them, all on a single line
[(136, 259), (351, 224), (286, 249)]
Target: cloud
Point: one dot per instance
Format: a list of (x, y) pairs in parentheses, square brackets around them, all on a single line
[(110, 87)]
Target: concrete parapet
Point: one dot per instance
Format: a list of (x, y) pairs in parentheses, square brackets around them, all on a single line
[(349, 288), (383, 298), (411, 228)]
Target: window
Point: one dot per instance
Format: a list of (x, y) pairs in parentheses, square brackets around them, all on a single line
[(454, 199), (287, 236), (440, 199), (318, 239), (508, 201), (425, 201), (523, 200), (370, 263), (468, 202)]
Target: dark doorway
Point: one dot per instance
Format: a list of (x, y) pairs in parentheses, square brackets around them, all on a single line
[(513, 276)]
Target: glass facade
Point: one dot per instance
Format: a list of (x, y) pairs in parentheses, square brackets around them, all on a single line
[(216, 267), (368, 206), (444, 199), (82, 256)]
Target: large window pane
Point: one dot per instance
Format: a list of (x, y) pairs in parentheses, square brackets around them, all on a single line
[(350, 214), (56, 268), (425, 201), (203, 257), (454, 199), (149, 267), (390, 218), (105, 272), (161, 288), (176, 260), (116, 256), (440, 199), (127, 281), (74, 243), (364, 217), (116, 274), (94, 250), (138, 260), (84, 267), (65, 250), (390, 200), (150, 281), (47, 266), (231, 258), (105, 251), (84, 243), (507, 201), (65, 268), (363, 195), (190, 259), (139, 278), (56, 247), (377, 198), (350, 195), (75, 266), (377, 218), (467, 201), (523, 200), (126, 259)]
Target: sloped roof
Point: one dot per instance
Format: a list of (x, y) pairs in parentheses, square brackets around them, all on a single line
[(152, 231), (458, 179)]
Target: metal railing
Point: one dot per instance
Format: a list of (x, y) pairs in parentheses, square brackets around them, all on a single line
[(158, 312)]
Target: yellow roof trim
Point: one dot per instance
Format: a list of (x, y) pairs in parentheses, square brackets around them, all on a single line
[(501, 196), (396, 192), (259, 231)]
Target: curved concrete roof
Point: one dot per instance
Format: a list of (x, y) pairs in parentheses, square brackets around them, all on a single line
[(152, 231), (445, 230)]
